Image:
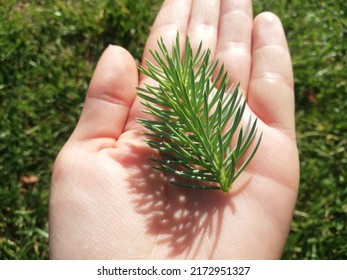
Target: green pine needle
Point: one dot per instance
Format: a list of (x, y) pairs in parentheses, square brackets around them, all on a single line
[(195, 119)]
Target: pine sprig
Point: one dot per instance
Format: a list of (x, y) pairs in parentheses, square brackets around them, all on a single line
[(196, 117)]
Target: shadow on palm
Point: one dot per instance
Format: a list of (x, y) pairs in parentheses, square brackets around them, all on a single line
[(181, 219)]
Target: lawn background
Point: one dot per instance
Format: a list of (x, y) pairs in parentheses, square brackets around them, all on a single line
[(48, 50)]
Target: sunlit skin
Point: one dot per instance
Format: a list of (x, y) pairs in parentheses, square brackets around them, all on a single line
[(107, 202)]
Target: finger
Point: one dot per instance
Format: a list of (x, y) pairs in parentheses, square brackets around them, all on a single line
[(271, 89), (234, 40), (173, 17), (203, 24), (109, 98)]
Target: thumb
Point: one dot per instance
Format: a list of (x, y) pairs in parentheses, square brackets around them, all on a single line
[(109, 98)]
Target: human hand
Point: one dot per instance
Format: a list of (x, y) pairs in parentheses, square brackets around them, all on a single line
[(108, 202)]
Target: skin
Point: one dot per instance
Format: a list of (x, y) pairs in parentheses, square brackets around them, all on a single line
[(107, 202)]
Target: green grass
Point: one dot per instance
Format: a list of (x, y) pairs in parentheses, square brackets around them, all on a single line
[(48, 50)]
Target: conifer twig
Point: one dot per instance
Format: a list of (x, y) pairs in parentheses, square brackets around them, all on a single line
[(196, 117)]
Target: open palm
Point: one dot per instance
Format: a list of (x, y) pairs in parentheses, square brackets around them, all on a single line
[(108, 202)]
